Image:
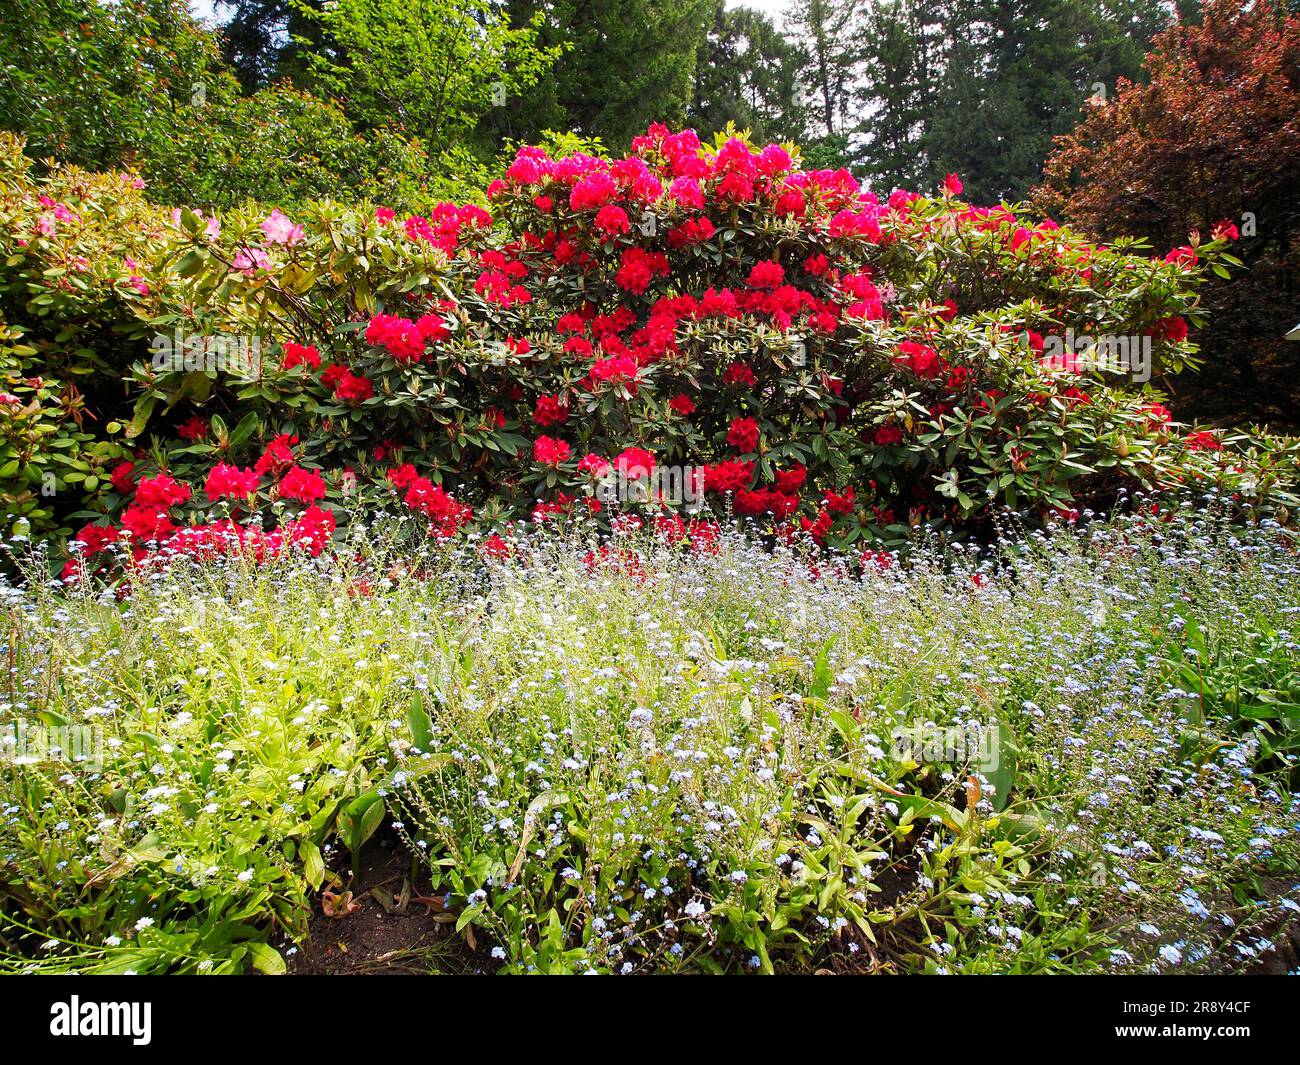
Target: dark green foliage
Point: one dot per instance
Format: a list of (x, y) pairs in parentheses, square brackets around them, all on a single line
[(626, 64), (980, 87), (748, 74), (142, 84)]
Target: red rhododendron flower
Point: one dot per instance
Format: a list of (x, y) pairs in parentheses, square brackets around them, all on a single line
[(1203, 441), (958, 378), (751, 503), (670, 527), (766, 274), (687, 192), (529, 167), (612, 222), (879, 560), (195, 428), (278, 454), (922, 360), (432, 328), (788, 482), (497, 286), (593, 190), (952, 185), (790, 203), (550, 452), (861, 224), (306, 486), (888, 435), (841, 503), (817, 265), (230, 482), (332, 375), (638, 268), (1225, 229), (122, 478), (634, 462), (1174, 329), (765, 501), (901, 200), (435, 503), (820, 528), (301, 355), (561, 504), (691, 232), (866, 300), (739, 374), (94, 538), (595, 465), (352, 388), (682, 404), (550, 411), (161, 492), (621, 369), (728, 476), (734, 188), (743, 434), (403, 338), (147, 522), (312, 530), (402, 476)]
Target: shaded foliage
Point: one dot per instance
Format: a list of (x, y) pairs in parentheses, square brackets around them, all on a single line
[(1215, 135)]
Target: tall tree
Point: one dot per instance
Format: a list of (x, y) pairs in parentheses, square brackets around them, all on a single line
[(431, 68), (748, 74), (624, 64), (263, 39), (981, 86), (1215, 134), (902, 51), (829, 33)]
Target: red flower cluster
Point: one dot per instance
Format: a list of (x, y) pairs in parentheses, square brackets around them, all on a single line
[(404, 339), (305, 486), (743, 435), (551, 452), (230, 482), (446, 516), (301, 355), (550, 411)]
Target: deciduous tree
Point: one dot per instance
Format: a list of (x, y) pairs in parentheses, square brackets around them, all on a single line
[(1214, 135)]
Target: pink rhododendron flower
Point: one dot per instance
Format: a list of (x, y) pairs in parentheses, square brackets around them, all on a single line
[(280, 230)]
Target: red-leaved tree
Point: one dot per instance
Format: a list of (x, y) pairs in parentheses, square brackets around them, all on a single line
[(1214, 136)]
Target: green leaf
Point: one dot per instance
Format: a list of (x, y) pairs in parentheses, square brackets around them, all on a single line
[(313, 865), (421, 724), (266, 959), (823, 676)]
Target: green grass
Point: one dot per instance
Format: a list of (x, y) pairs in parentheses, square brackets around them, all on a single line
[(675, 761)]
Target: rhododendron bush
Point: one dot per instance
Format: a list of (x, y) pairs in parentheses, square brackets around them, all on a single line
[(835, 366)]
